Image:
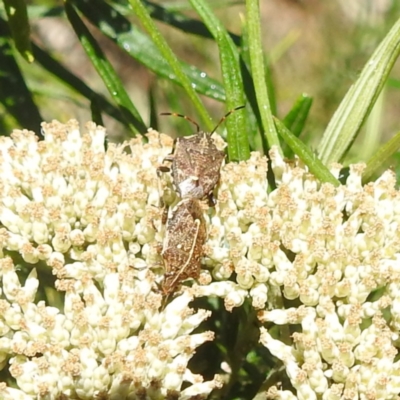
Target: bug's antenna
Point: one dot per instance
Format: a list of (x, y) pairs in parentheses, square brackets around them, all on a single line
[(224, 117), (185, 117)]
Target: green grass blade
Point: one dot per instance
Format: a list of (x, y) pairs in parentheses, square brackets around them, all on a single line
[(381, 157), (296, 118), (106, 72), (257, 141), (75, 83), (95, 110), (238, 142), (15, 96), (269, 81), (372, 134), (140, 47), (249, 84), (183, 6), (360, 99), (18, 22), (181, 21), (170, 57), (153, 111), (314, 164), (258, 71)]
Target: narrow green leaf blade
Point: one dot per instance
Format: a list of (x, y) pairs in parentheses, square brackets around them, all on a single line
[(180, 21), (238, 143), (15, 96), (360, 98), (258, 71), (381, 157), (106, 72), (314, 164), (257, 141), (296, 118), (140, 47), (19, 26), (95, 109), (168, 54)]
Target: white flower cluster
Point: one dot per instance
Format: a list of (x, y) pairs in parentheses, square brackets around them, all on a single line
[(72, 210), (323, 263), (320, 264)]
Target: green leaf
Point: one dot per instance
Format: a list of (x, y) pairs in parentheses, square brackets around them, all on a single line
[(310, 159), (179, 6), (270, 86), (296, 118), (173, 17), (258, 71), (257, 141), (15, 96), (19, 25), (95, 109), (153, 117), (106, 72), (170, 57), (360, 98), (372, 134), (238, 143), (381, 157), (139, 46)]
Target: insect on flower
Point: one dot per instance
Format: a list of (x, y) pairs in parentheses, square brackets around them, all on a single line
[(195, 162), (195, 168), (183, 243)]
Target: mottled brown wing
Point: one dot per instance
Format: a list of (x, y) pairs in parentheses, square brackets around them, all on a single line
[(208, 160), (183, 170), (196, 166), (183, 244)]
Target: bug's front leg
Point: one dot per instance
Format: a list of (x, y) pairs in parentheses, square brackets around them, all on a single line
[(165, 168)]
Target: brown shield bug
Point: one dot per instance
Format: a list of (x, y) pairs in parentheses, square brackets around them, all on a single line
[(183, 243), (196, 162)]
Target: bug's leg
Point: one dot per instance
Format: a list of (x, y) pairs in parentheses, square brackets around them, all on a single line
[(162, 205), (211, 200), (169, 158), (169, 283), (162, 169), (153, 225), (164, 216)]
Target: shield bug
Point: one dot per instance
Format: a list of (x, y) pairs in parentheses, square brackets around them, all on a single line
[(183, 243), (195, 162)]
